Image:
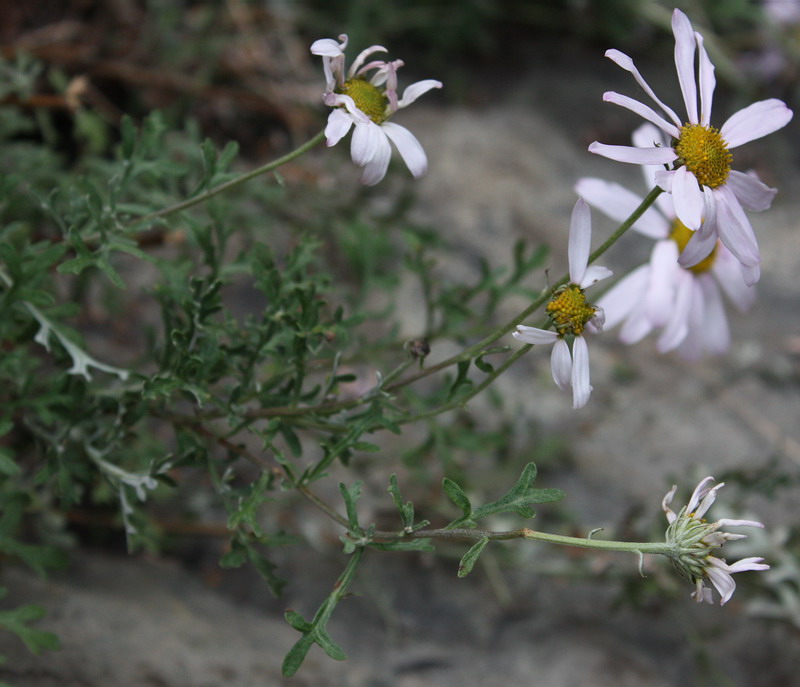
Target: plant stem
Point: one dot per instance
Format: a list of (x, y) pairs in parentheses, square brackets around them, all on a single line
[(503, 329), (232, 183), (663, 548)]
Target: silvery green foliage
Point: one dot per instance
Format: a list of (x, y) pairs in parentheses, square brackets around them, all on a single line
[(232, 348)]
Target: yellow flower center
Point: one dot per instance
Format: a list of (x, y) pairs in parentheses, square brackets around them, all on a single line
[(681, 235), (569, 311), (370, 99), (705, 154)]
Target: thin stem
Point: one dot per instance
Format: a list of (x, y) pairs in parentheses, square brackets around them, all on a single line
[(503, 329), (663, 548), (232, 183)]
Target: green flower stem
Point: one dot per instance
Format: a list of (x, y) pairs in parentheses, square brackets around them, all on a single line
[(232, 183), (504, 329), (662, 548), (467, 354)]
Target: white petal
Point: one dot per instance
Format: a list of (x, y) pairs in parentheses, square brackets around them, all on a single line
[(622, 60), (594, 274), (666, 501), (677, 327), (366, 143), (619, 203), (707, 82), (637, 326), (661, 287), (734, 228), (752, 193), (415, 90), (693, 346), (715, 330), (620, 300), (408, 146), (363, 55), (534, 335), (581, 388), (561, 365), (339, 123), (644, 111), (688, 197), (699, 493), (637, 156), (728, 522), (700, 245), (722, 580), (750, 273), (580, 239), (328, 47), (375, 169), (726, 270), (752, 563), (685, 46), (755, 121)]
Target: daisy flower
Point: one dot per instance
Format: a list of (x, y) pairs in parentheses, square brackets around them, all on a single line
[(684, 302), (367, 105), (570, 313), (699, 175), (695, 540)]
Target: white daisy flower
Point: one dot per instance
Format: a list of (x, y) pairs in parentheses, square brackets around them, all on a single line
[(367, 104), (695, 540), (684, 302), (700, 178), (571, 314)]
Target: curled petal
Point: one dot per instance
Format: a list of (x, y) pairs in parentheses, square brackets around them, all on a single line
[(327, 47), (415, 90), (581, 388), (668, 500), (561, 364), (362, 56)]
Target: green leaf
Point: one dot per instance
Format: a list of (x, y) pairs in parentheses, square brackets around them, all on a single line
[(469, 558), (17, 621), (128, 133), (8, 466), (459, 498), (519, 499), (351, 497), (297, 621)]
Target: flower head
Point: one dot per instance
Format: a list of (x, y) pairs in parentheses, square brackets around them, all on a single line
[(695, 540), (685, 303), (570, 314), (367, 104), (709, 196)]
